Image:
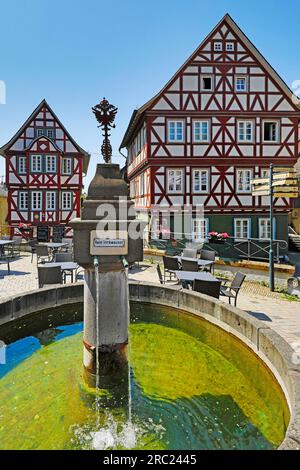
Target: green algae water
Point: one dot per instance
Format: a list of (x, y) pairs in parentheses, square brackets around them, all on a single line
[(193, 387)]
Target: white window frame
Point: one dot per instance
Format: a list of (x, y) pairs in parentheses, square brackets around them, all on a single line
[(155, 228), (52, 132), (36, 161), (230, 46), (176, 133), (50, 163), (201, 171), (218, 46), (240, 77), (22, 165), (237, 236), (177, 172), (199, 233), (201, 122), (243, 189), (212, 83), (245, 124), (50, 204), (39, 199), (23, 201), (69, 196), (265, 221), (66, 166), (277, 131)]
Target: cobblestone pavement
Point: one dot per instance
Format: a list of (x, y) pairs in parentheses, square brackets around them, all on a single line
[(255, 298)]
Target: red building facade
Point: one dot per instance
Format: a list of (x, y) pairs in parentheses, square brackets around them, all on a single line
[(44, 171)]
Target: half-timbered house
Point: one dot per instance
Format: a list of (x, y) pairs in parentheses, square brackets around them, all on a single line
[(216, 125), (44, 171)]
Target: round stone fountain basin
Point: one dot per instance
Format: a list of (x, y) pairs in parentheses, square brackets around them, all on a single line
[(192, 386)]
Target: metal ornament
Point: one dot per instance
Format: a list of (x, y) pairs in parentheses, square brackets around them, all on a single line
[(105, 114)]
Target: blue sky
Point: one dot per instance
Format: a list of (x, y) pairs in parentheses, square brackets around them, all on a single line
[(74, 52)]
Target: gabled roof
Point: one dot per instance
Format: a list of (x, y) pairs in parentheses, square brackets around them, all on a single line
[(86, 155), (138, 114)]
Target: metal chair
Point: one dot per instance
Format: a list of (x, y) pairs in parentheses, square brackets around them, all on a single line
[(189, 265), (49, 275), (16, 247), (63, 257), (213, 289), (42, 253), (189, 253), (170, 265), (231, 291), (32, 245), (69, 248), (160, 276)]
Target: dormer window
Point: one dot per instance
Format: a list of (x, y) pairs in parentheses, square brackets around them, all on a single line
[(218, 46)]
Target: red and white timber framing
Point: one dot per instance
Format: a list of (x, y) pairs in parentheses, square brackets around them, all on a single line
[(266, 98), (33, 138)]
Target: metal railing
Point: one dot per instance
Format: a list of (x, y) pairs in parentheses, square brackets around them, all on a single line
[(231, 248)]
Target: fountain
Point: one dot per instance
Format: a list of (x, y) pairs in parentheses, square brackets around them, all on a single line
[(105, 242), (186, 380)]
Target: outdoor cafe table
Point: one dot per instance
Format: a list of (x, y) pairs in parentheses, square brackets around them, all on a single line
[(4, 243), (65, 266), (202, 263), (189, 276), (54, 247)]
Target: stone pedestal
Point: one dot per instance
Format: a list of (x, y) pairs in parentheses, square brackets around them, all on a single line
[(106, 305)]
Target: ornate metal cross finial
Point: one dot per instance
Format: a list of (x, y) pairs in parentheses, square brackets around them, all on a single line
[(105, 114)]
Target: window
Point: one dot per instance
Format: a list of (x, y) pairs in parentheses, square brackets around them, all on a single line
[(155, 229), (175, 131), (50, 163), (50, 133), (39, 132), (201, 129), (36, 163), (22, 165), (200, 181), (199, 229), (241, 229), (229, 46), (141, 183), (270, 131), (23, 201), (240, 84), (36, 200), (206, 83), (245, 131), (50, 201), (66, 166), (175, 178), (66, 200), (244, 181), (218, 46), (264, 229)]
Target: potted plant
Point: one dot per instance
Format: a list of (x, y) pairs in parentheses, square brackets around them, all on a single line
[(216, 237)]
